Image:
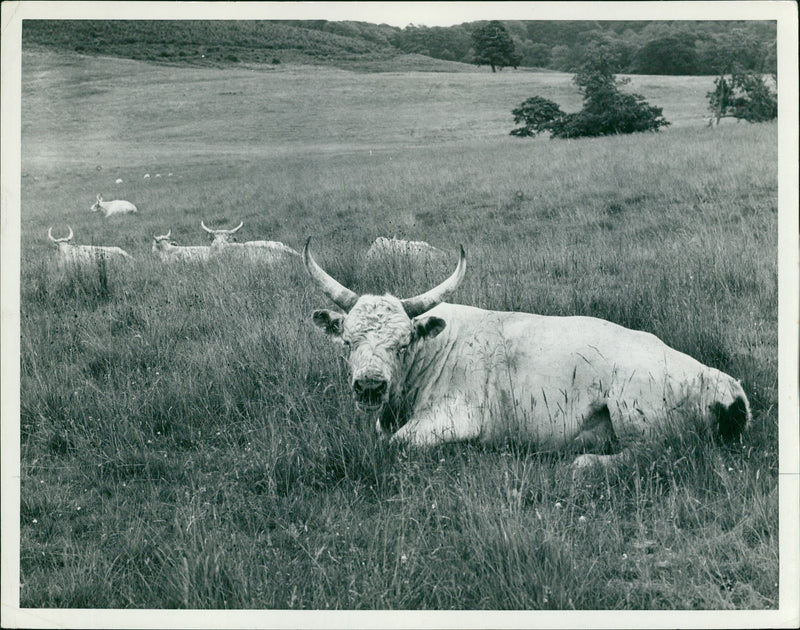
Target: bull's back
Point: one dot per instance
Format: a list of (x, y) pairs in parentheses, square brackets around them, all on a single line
[(547, 372)]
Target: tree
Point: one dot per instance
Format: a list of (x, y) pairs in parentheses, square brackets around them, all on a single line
[(743, 95), (492, 45), (606, 110)]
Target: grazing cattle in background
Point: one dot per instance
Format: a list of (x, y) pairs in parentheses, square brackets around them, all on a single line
[(110, 208), (169, 251), (266, 250), (383, 248), (435, 372), (69, 254)]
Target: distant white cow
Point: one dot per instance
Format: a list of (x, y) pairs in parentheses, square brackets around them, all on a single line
[(265, 250), (117, 206), (169, 251), (383, 248), (72, 255)]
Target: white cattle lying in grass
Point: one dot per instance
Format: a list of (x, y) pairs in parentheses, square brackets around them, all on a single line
[(69, 254), (436, 372), (383, 248), (170, 251), (224, 240), (109, 208)]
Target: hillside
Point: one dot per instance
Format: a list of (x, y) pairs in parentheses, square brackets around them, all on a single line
[(205, 43), (640, 47)]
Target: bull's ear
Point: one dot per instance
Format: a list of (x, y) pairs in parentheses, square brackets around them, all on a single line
[(428, 327), (329, 322)]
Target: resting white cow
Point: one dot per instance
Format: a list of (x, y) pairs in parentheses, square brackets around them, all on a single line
[(437, 372), (69, 254), (169, 251), (383, 247), (269, 250), (109, 208)]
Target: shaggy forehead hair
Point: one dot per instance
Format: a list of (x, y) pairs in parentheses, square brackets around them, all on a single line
[(375, 312)]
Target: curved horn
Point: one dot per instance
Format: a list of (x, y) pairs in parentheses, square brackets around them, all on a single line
[(237, 228), (343, 297), (69, 238), (426, 301), (50, 234), (209, 230)]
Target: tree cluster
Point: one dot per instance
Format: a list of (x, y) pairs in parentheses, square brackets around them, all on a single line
[(745, 96), (606, 110), (639, 47)]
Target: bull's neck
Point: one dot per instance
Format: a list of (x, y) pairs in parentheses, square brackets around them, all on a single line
[(422, 362)]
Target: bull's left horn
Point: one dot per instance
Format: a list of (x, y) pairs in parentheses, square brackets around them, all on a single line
[(420, 304), (343, 297)]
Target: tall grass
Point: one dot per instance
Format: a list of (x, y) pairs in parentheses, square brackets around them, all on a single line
[(188, 438)]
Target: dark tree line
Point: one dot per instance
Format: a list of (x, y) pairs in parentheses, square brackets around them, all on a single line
[(685, 47), (673, 48)]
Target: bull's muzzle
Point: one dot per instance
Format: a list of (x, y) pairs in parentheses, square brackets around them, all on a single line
[(370, 393)]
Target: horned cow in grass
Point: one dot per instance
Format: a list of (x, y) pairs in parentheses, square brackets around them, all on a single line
[(169, 251), (224, 241), (72, 255), (435, 372)]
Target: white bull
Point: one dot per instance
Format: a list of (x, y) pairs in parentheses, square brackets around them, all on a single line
[(383, 247), (436, 372), (110, 208), (72, 255), (224, 240), (169, 251)]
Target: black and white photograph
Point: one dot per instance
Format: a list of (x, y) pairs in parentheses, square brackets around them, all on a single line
[(400, 314)]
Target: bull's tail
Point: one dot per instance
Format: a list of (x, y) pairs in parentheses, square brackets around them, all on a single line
[(729, 421)]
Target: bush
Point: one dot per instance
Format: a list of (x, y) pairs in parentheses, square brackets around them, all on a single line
[(538, 114), (606, 111), (745, 96)]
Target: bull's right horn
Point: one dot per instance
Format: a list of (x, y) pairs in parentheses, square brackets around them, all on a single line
[(424, 302), (343, 297), (50, 234), (209, 230)]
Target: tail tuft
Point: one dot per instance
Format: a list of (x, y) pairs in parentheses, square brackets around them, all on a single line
[(730, 421)]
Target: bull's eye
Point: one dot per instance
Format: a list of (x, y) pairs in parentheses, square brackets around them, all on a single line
[(400, 349)]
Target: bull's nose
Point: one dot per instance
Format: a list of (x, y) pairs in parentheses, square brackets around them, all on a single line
[(369, 391), (369, 386)]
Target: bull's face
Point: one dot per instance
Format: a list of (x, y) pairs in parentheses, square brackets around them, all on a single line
[(221, 237), (378, 336), (379, 332)]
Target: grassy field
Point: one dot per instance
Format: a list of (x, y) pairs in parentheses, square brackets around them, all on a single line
[(188, 438)]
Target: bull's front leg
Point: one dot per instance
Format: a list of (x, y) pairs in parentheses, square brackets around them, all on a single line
[(450, 422)]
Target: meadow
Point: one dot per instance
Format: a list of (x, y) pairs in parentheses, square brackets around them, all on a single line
[(188, 439)]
